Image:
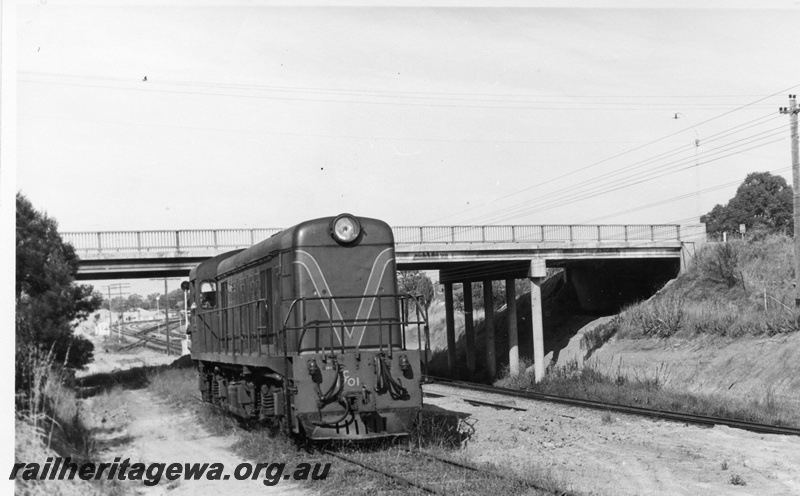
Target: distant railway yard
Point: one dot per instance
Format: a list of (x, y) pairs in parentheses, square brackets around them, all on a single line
[(150, 334)]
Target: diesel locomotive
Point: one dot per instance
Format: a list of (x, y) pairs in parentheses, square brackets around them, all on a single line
[(306, 330)]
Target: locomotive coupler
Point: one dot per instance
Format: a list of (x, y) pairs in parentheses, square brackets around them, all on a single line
[(352, 400)]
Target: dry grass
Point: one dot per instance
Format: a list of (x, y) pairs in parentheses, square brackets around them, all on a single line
[(740, 288), (48, 424)]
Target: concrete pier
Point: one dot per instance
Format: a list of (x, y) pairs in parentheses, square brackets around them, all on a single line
[(513, 340), (469, 327), (488, 308), (451, 326), (536, 275)]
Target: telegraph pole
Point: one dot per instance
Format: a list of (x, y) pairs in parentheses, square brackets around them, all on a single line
[(696, 160), (792, 111), (119, 287), (166, 311), (166, 306)]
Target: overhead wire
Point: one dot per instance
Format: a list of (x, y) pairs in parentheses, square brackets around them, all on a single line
[(677, 198), (625, 185), (361, 101), (639, 164), (638, 100), (671, 168), (538, 204), (319, 135), (600, 162), (556, 196), (711, 138)]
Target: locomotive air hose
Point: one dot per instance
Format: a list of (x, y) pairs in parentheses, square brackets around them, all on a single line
[(335, 389), (387, 383), (336, 423)]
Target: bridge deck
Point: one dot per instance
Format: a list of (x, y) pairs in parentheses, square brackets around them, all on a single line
[(132, 254)]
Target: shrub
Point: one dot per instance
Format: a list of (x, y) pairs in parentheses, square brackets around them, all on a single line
[(737, 480), (720, 263), (597, 337)]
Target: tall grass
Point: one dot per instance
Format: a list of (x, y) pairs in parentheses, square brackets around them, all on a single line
[(740, 288), (48, 424)]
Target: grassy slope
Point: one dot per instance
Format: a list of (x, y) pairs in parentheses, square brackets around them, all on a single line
[(726, 327)]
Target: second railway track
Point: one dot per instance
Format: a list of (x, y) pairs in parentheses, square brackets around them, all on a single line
[(613, 407), (442, 475)]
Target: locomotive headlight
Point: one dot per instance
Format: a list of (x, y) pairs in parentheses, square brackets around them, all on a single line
[(346, 228)]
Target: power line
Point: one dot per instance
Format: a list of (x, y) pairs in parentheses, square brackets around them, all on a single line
[(524, 104), (677, 198), (329, 136), (589, 186), (622, 186), (618, 155), (368, 91), (593, 186)]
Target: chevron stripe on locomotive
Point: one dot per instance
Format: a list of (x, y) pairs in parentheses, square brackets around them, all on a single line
[(305, 330)]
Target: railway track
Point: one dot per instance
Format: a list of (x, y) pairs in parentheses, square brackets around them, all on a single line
[(613, 407), (443, 475), (140, 331)]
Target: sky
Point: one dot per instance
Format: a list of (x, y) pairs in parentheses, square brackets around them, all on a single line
[(258, 115)]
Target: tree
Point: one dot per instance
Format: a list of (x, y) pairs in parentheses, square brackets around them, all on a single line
[(175, 299), (135, 301), (415, 282), (763, 202), (152, 298), (48, 303)]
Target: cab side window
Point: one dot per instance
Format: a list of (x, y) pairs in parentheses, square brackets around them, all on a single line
[(208, 294)]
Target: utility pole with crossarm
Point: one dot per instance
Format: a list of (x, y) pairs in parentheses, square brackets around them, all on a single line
[(792, 111)]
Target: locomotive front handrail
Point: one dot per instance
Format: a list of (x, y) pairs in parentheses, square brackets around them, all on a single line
[(333, 324)]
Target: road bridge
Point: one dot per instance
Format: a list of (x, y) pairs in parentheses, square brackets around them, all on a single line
[(604, 262), (146, 254)]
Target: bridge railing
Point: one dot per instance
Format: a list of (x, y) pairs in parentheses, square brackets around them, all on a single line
[(144, 241), (534, 234), (229, 239)]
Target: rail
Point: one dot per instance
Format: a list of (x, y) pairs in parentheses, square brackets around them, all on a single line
[(231, 239), (629, 409)]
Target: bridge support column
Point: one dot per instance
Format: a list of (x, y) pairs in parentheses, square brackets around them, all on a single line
[(536, 274), (451, 326), (513, 341), (488, 307), (469, 329)]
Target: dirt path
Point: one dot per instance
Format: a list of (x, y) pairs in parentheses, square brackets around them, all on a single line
[(616, 454), (141, 427)]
